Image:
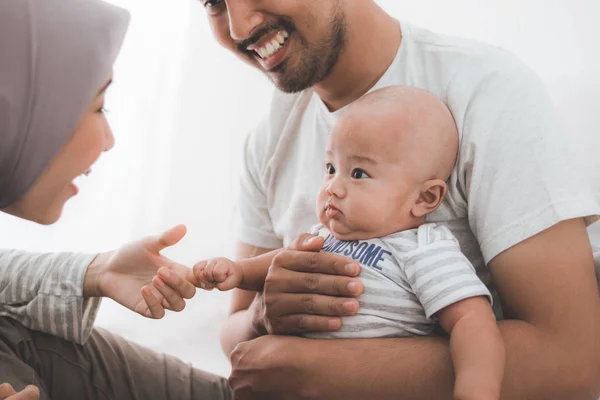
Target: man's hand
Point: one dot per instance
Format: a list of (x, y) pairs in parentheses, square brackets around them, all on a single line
[(306, 291), (138, 277), (260, 370), (221, 273), (7, 392)]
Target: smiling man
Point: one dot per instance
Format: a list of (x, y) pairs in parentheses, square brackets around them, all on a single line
[(515, 201), (292, 63)]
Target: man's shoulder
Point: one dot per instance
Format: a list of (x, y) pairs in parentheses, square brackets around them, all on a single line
[(450, 46), (454, 59)]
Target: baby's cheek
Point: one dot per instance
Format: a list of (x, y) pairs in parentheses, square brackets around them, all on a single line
[(358, 214), (321, 200)]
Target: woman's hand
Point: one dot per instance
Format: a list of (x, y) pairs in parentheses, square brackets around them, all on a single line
[(7, 392), (138, 277), (306, 290)]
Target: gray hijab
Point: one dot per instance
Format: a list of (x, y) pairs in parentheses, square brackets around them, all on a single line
[(54, 57)]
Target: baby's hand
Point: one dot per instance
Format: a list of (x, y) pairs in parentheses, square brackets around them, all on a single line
[(221, 273)]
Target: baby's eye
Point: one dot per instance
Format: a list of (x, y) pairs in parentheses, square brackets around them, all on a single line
[(330, 169), (358, 173)]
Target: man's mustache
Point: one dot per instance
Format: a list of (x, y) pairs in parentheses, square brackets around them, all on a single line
[(282, 23)]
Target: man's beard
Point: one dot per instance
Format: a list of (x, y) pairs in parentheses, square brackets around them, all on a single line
[(315, 63)]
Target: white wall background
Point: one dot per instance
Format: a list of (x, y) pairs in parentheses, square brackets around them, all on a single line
[(181, 106)]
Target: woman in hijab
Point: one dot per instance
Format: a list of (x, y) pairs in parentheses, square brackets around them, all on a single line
[(56, 61)]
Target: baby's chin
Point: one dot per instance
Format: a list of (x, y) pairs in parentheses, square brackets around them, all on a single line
[(344, 232)]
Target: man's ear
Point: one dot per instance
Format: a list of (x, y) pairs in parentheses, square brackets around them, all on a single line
[(431, 196)]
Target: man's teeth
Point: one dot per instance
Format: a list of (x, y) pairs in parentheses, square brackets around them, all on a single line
[(271, 47)]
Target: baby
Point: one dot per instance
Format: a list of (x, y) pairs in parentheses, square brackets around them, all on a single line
[(388, 158)]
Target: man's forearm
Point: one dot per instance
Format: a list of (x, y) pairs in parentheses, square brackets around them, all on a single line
[(538, 366), (237, 329)]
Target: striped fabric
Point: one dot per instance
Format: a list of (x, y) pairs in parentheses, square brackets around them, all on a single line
[(44, 293), (408, 277)]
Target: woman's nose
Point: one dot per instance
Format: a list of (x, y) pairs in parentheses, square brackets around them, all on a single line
[(109, 140)]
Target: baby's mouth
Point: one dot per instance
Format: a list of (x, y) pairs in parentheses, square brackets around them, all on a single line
[(332, 211)]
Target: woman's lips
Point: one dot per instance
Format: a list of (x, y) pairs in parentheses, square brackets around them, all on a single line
[(74, 188)]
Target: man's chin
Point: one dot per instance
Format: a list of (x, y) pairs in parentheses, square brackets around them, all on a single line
[(284, 86), (283, 82)]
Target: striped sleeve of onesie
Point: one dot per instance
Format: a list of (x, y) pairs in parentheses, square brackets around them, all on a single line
[(438, 272)]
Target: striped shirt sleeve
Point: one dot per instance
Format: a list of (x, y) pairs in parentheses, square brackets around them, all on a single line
[(439, 273), (44, 292)]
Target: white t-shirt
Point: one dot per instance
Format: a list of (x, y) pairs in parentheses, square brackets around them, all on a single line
[(407, 277), (515, 175)]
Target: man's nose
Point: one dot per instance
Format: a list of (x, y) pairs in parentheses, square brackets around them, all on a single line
[(244, 18)]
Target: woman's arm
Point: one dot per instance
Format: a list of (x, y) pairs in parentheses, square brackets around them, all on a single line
[(60, 293), (44, 292)]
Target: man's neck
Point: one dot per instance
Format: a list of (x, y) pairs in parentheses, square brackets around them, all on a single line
[(372, 41)]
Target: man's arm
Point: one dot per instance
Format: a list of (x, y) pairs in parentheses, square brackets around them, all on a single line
[(549, 292)]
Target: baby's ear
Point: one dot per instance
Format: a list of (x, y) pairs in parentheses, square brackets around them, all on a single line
[(432, 194)]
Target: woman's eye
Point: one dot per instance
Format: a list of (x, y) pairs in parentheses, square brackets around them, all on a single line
[(102, 110), (358, 173), (330, 169)]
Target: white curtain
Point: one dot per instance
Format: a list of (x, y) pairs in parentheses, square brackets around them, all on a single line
[(181, 106)]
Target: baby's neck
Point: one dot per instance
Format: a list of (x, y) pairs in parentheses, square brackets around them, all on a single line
[(413, 223)]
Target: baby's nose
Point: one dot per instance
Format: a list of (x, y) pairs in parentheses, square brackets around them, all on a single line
[(336, 188)]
